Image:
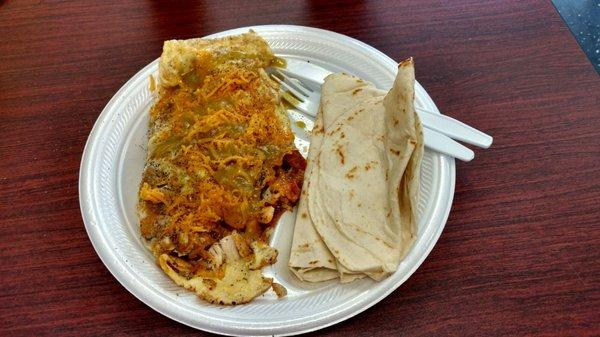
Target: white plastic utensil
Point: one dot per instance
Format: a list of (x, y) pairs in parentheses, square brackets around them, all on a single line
[(454, 129), (443, 144)]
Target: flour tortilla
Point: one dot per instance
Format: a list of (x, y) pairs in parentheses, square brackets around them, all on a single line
[(357, 214)]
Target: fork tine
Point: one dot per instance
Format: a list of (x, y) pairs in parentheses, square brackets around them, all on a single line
[(295, 83), (300, 106), (293, 91)]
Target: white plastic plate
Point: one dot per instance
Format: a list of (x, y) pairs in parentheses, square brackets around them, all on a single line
[(111, 171)]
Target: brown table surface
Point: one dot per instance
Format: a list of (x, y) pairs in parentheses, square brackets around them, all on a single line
[(520, 252)]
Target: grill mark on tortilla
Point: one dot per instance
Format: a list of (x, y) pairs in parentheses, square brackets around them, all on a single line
[(340, 151), (406, 63), (370, 165), (384, 242), (334, 130), (374, 236), (351, 173)]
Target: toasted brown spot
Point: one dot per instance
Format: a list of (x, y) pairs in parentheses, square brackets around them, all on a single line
[(343, 135), (412, 141), (359, 205), (396, 152), (210, 284), (340, 151), (370, 165), (352, 194), (304, 245), (313, 262), (329, 260), (351, 173), (355, 91), (334, 130), (406, 62), (304, 215), (350, 118), (396, 121)]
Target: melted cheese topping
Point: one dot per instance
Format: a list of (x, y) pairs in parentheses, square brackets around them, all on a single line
[(218, 139)]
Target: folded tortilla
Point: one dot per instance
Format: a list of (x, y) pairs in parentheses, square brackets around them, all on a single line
[(357, 215)]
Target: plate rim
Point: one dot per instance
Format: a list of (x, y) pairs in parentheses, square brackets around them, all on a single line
[(132, 284)]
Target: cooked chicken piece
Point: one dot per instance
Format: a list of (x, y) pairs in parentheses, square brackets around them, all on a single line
[(234, 279)]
